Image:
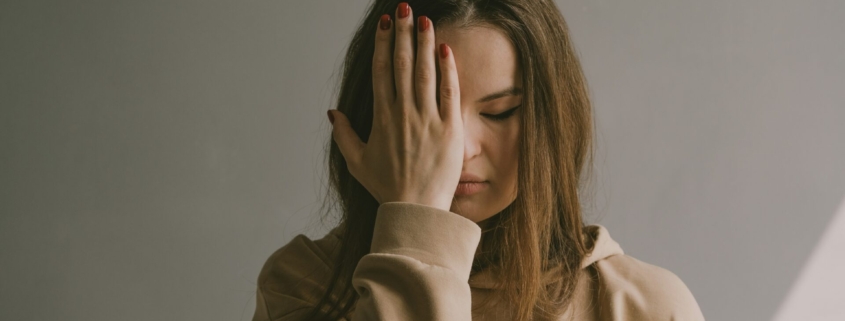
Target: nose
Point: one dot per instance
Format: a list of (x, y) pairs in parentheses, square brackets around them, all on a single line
[(472, 137)]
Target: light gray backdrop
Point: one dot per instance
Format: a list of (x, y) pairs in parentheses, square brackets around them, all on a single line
[(154, 153)]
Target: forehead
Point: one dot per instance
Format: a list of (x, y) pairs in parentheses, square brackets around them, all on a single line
[(485, 58)]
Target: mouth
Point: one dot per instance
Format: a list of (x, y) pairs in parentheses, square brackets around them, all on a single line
[(470, 187)]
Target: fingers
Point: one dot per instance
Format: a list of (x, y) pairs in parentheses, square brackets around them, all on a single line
[(425, 74), (383, 90), (450, 93), (347, 140), (403, 56)]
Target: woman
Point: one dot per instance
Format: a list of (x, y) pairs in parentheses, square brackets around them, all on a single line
[(461, 135)]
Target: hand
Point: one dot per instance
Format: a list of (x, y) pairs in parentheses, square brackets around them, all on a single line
[(415, 149)]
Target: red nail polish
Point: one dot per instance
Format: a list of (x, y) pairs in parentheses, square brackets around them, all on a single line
[(331, 117), (384, 22), (422, 23), (444, 50), (404, 10)]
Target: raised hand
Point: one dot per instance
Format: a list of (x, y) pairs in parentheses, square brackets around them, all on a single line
[(415, 149)]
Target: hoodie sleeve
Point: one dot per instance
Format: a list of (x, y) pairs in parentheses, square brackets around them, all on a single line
[(418, 267)]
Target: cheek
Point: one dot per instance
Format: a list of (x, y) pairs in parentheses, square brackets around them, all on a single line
[(507, 162), (513, 153), (506, 146)]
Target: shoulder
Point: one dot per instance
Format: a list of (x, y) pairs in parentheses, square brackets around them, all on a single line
[(636, 288), (301, 254), (294, 277)]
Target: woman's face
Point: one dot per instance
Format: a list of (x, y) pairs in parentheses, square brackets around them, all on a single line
[(490, 85)]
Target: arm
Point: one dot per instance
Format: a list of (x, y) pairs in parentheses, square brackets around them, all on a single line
[(418, 266), (417, 269)]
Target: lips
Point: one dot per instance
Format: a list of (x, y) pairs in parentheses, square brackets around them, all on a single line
[(465, 189), (471, 178)]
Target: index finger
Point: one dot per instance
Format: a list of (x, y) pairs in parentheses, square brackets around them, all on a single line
[(383, 89)]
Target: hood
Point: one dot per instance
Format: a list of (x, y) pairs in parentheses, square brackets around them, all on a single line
[(603, 247)]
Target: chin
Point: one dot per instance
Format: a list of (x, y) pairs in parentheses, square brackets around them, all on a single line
[(471, 209)]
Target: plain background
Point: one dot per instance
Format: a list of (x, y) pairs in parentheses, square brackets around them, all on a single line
[(154, 153)]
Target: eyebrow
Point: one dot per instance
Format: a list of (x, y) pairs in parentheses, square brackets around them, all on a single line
[(499, 94)]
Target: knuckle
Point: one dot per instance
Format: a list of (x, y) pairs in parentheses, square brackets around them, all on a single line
[(424, 74), (402, 61), (404, 122), (381, 65), (383, 38), (449, 92), (424, 41), (404, 27)]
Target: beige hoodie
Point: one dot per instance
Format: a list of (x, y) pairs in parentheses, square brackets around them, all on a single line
[(419, 269)]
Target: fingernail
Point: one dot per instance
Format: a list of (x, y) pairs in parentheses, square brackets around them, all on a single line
[(384, 23), (404, 10), (331, 116), (422, 23), (444, 50)]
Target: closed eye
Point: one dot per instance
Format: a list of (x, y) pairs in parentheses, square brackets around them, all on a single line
[(502, 116)]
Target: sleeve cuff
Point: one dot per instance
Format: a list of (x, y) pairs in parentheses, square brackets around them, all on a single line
[(426, 233)]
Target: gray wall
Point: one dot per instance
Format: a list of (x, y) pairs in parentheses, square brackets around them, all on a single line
[(154, 153)]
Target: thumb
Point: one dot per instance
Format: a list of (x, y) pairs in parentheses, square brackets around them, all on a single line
[(347, 139)]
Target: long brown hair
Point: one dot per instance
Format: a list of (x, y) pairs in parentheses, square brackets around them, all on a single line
[(543, 227)]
